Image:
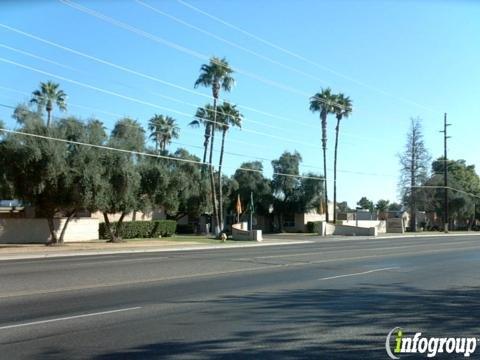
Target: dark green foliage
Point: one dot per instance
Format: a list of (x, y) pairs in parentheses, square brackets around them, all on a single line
[(139, 229), (313, 226), (185, 229), (366, 204), (310, 227)]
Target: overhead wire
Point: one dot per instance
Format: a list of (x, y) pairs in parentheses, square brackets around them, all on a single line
[(129, 98), (188, 51), (303, 58), (147, 76), (140, 153)]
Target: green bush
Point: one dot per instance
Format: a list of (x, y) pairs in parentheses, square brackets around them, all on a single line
[(310, 227), (313, 226), (140, 229)]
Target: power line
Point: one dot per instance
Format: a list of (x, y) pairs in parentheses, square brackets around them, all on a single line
[(446, 187), (186, 50), (125, 97), (140, 153), (300, 57), (243, 155), (146, 76), (154, 93), (225, 41)]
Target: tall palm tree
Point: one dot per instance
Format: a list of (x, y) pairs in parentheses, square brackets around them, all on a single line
[(228, 116), (162, 130), (343, 109), (323, 102), (204, 116), (217, 74), (48, 96)]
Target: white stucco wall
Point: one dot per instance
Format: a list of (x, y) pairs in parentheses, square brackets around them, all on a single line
[(381, 225), (23, 231)]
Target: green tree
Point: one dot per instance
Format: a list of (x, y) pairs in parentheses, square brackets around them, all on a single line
[(343, 207), (122, 175), (395, 207), (48, 96), (366, 204), (414, 163), (382, 205), (204, 116), (343, 109), (229, 116), (324, 103), (57, 178), (286, 188), (462, 197), (217, 74), (251, 180), (188, 186), (162, 130)]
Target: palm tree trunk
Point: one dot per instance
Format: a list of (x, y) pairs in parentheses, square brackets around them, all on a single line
[(220, 190), (216, 226), (49, 116), (205, 143), (324, 148), (337, 130)]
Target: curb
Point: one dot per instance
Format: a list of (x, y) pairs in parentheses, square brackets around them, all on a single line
[(140, 251)]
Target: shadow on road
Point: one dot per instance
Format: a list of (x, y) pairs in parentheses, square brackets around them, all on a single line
[(321, 323)]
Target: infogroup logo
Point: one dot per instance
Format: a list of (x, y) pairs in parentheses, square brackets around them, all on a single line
[(397, 343)]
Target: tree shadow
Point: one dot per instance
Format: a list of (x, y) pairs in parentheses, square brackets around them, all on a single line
[(322, 323)]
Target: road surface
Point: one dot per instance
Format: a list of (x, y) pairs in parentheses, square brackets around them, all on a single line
[(324, 300)]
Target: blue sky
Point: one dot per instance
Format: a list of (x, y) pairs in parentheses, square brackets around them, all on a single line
[(395, 59)]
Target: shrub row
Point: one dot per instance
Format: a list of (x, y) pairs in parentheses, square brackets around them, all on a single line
[(313, 226), (140, 229)]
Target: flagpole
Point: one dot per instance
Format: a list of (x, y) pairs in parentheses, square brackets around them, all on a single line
[(251, 211)]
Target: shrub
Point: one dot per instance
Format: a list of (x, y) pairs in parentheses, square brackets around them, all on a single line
[(310, 227), (313, 226), (140, 229)]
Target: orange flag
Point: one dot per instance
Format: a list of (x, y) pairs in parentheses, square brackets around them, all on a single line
[(239, 205)]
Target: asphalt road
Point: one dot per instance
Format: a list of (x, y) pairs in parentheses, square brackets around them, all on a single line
[(325, 300)]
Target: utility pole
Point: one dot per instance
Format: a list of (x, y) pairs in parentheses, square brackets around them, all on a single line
[(445, 173)]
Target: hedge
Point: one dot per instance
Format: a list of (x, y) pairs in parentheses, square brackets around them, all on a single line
[(314, 226), (140, 229)]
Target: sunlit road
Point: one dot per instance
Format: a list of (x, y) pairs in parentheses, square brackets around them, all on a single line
[(324, 300)]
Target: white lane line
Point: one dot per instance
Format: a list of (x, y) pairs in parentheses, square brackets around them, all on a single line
[(358, 274), (68, 318)]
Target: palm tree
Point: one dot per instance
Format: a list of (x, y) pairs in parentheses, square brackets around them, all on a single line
[(48, 96), (204, 116), (162, 130), (229, 116), (343, 109), (323, 102), (217, 74)]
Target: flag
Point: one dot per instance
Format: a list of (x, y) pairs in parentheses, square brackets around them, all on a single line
[(321, 207), (238, 207), (251, 207)]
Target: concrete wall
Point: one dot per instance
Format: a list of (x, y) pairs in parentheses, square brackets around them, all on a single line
[(381, 225), (22, 231), (240, 232), (346, 230)]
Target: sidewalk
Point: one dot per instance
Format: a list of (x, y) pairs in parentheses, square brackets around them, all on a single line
[(40, 251)]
